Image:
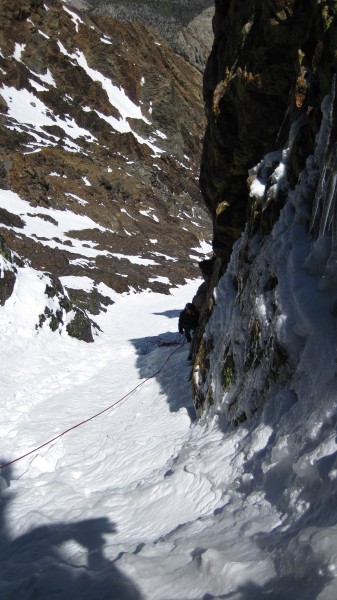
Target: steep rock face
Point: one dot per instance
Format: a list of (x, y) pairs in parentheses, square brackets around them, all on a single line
[(104, 122), (268, 180), (271, 62)]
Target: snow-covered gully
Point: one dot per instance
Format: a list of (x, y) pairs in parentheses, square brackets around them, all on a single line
[(144, 502)]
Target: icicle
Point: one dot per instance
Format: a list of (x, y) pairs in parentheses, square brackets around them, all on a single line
[(329, 201), (324, 212)]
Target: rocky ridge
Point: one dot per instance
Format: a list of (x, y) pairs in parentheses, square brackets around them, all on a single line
[(186, 25), (104, 122)]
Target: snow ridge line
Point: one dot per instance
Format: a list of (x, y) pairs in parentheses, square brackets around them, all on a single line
[(178, 344)]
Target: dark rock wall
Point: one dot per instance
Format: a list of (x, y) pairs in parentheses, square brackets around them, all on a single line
[(272, 61)]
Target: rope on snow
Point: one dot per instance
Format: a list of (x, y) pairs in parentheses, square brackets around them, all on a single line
[(178, 344)]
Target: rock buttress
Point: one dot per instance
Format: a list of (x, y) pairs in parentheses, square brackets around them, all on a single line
[(271, 62)]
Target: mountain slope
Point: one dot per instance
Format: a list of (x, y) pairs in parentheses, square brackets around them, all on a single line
[(100, 151), (187, 25)]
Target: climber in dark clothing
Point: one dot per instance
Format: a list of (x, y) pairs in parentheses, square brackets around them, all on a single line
[(188, 320)]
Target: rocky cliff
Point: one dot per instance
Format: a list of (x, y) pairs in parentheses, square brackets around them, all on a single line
[(267, 176), (271, 63), (101, 126)]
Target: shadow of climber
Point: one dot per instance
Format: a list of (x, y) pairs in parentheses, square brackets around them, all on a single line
[(35, 564)]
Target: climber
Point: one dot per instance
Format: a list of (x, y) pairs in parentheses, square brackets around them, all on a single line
[(188, 320)]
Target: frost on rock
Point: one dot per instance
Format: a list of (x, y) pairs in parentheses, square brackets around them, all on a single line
[(279, 287)]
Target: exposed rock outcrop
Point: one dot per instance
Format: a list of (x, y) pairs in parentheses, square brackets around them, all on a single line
[(8, 271), (59, 312)]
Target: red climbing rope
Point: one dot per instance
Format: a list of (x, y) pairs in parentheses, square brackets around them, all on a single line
[(178, 345)]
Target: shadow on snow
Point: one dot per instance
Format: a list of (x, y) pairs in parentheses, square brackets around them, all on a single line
[(34, 565), (170, 314), (173, 375)]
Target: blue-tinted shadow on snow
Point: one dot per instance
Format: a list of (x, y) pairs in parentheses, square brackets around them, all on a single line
[(173, 375), (33, 565), (171, 314)]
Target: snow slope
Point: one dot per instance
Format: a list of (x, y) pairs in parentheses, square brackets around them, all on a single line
[(109, 476), (144, 501)]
